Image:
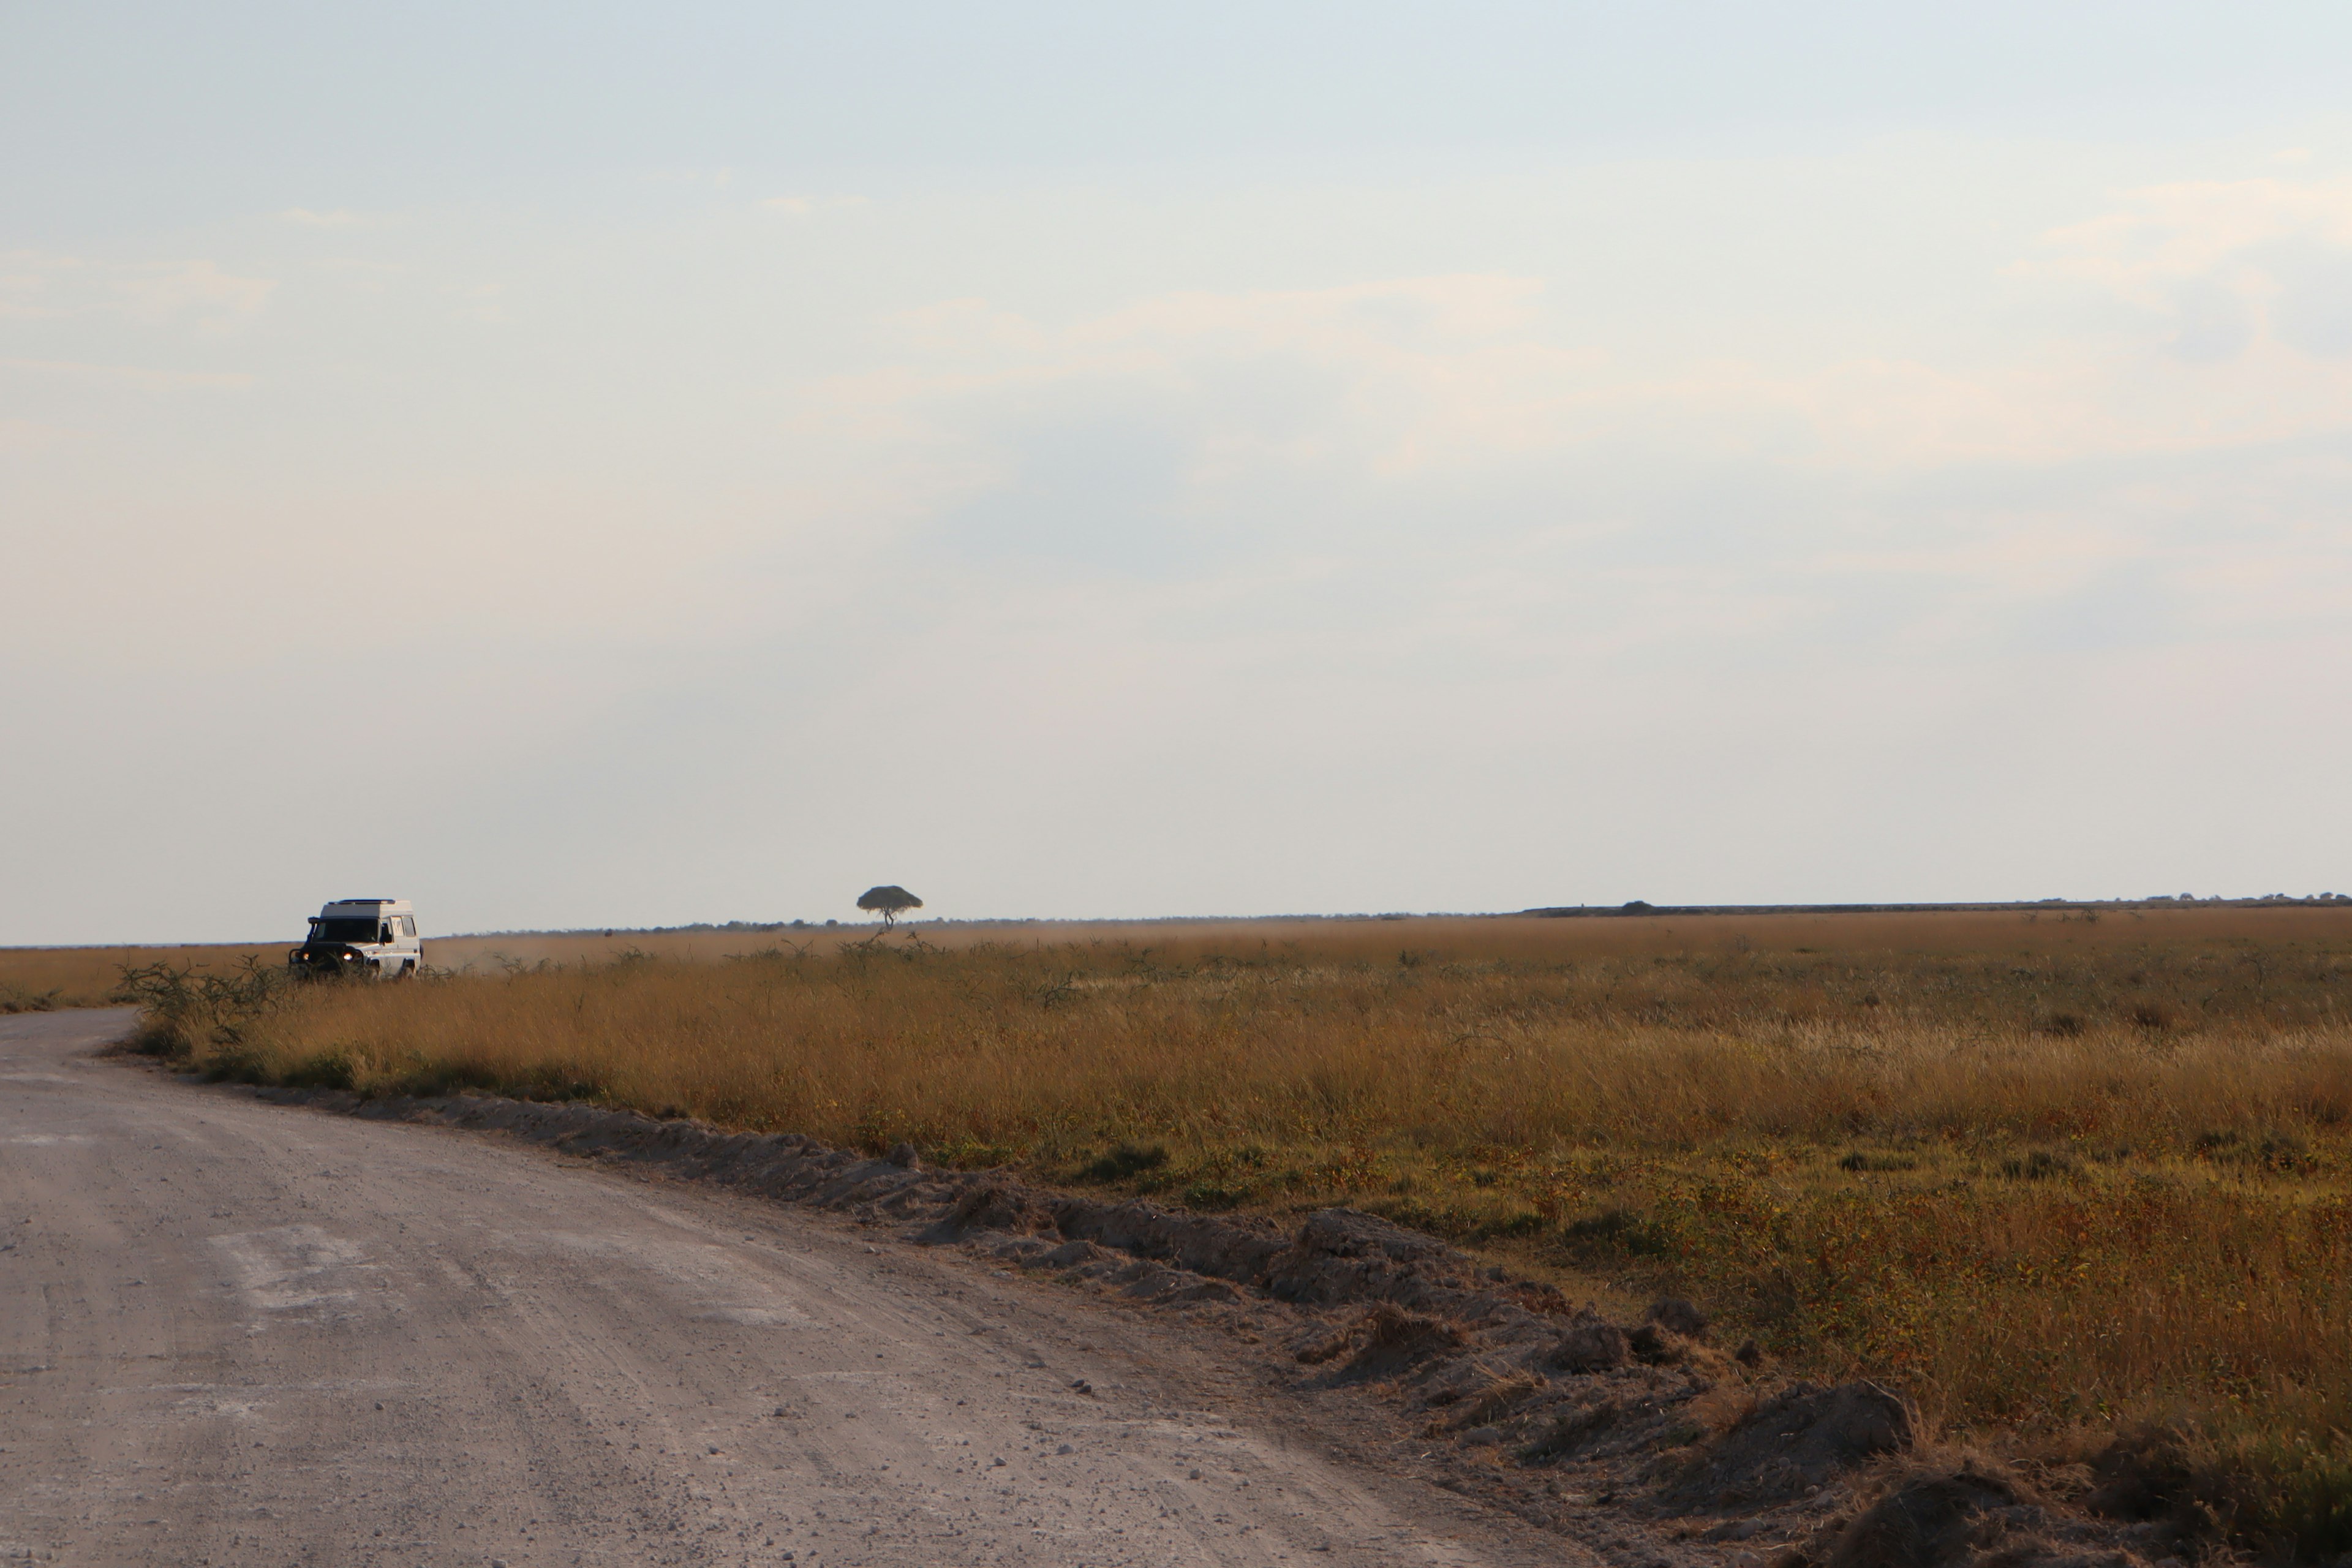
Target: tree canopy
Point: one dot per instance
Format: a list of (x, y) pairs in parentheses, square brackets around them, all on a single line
[(889, 901)]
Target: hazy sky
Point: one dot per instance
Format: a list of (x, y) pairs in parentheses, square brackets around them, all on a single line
[(582, 465)]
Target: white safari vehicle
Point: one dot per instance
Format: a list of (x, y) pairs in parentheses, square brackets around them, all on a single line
[(376, 938)]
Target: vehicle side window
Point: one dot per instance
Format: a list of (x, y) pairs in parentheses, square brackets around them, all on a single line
[(408, 925)]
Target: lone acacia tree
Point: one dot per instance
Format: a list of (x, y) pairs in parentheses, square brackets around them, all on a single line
[(889, 902)]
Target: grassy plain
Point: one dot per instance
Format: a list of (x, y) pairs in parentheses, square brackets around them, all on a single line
[(35, 978), (2055, 1176)]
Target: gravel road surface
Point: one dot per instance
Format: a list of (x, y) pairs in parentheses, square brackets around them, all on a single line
[(232, 1332)]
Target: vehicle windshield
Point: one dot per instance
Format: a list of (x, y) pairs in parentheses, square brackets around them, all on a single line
[(342, 929)]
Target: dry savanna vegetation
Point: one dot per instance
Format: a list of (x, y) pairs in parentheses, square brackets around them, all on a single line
[(2055, 1176), (37, 979)]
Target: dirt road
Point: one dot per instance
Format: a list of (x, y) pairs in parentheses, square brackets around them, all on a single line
[(232, 1332)]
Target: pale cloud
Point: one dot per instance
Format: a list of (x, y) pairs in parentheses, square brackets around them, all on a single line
[(969, 328), (1431, 368), (1405, 311), (2056, 400), (2165, 233), (2025, 556), (28, 435), (195, 292), (1416, 377), (133, 378), (2227, 265), (808, 207), (338, 217), (1484, 491), (198, 290), (484, 302), (23, 286), (360, 275)]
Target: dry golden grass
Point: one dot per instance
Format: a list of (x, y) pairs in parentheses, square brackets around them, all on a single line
[(34, 979), (2051, 1176), (1484, 937)]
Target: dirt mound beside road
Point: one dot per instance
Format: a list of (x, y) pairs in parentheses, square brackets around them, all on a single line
[(1974, 1518), (1803, 1437)]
